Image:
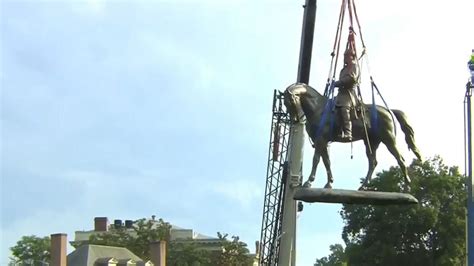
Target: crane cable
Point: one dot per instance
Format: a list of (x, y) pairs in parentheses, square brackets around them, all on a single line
[(335, 49), (353, 12), (329, 88), (372, 82)]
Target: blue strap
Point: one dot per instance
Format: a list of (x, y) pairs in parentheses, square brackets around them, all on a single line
[(373, 112), (328, 108), (384, 102), (333, 104), (326, 89)]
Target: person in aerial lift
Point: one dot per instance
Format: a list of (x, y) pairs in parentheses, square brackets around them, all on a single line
[(346, 97)]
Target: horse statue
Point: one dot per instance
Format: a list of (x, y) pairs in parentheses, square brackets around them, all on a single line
[(301, 100)]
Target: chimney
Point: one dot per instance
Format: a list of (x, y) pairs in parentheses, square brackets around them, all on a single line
[(58, 250), (158, 253), (257, 248), (101, 224)]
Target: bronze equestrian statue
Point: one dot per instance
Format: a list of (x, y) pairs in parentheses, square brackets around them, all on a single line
[(302, 100)]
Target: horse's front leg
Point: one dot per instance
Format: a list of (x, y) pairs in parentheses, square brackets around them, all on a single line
[(312, 176), (327, 164)]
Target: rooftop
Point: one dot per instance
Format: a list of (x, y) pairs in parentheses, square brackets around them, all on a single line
[(90, 254)]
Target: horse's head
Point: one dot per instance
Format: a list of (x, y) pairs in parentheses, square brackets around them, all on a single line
[(292, 100)]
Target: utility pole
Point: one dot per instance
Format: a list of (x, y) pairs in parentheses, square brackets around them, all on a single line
[(287, 256), (470, 198), (468, 161), (468, 170)]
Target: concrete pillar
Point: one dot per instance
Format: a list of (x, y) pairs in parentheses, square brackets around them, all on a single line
[(58, 250), (158, 253)]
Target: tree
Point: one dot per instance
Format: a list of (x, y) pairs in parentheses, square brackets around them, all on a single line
[(187, 253), (336, 258), (179, 253), (138, 240), (31, 250), (234, 252), (430, 233)]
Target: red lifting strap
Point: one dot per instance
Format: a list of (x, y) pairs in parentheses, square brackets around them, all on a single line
[(351, 44)]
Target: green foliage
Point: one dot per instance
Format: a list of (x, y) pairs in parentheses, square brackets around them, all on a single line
[(336, 258), (137, 239), (430, 233), (187, 253), (31, 250), (148, 231), (234, 252)]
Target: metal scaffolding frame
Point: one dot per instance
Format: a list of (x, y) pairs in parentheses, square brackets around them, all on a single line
[(274, 188)]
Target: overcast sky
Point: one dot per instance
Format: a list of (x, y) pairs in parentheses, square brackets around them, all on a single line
[(128, 109)]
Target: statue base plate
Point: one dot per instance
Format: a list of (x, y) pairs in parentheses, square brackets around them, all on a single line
[(353, 196)]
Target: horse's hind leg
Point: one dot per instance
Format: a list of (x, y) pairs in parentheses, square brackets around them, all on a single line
[(371, 152), (401, 162), (327, 163), (417, 153)]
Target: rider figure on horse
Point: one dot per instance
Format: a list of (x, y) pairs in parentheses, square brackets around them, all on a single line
[(348, 78)]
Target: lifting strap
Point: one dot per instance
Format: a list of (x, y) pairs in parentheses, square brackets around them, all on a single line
[(374, 115), (329, 88), (328, 111)]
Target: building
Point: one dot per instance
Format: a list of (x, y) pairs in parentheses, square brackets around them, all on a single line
[(87, 254), (97, 255), (177, 234)]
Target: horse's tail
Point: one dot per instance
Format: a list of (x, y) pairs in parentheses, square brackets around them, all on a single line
[(408, 130)]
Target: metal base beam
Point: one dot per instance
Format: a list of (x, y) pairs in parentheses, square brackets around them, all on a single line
[(353, 196)]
